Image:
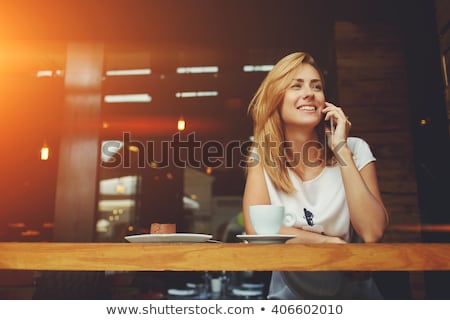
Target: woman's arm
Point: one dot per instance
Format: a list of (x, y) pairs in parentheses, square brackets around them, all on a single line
[(367, 212), (255, 192), (308, 237)]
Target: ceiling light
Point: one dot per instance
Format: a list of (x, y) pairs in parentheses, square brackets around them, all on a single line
[(118, 98), (45, 152), (128, 72), (44, 73), (133, 148), (258, 68), (193, 94), (209, 69), (181, 124), (49, 73)]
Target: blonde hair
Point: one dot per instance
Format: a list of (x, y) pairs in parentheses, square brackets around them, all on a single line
[(268, 125)]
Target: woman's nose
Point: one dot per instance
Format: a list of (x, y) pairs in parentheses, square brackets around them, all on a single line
[(307, 92)]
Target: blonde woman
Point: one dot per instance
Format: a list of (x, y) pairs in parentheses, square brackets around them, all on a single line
[(304, 160)]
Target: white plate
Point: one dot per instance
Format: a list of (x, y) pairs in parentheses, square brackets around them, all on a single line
[(247, 285), (246, 292), (169, 237), (266, 238), (181, 292)]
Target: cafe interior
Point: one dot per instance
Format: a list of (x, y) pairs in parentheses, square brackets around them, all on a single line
[(96, 94)]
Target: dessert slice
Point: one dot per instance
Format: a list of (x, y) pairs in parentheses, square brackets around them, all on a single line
[(158, 228)]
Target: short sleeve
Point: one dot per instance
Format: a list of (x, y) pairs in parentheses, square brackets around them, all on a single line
[(362, 155)]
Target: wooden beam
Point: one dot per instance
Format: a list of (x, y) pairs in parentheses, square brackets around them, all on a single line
[(75, 199), (218, 256)]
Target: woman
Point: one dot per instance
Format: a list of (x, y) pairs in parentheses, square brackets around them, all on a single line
[(304, 160)]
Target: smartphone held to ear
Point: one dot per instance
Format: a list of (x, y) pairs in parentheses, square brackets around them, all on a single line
[(326, 122), (329, 124)]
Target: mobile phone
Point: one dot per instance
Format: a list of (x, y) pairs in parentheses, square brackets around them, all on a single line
[(326, 122), (329, 124)]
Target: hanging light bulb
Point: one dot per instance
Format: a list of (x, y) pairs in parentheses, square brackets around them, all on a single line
[(120, 187), (45, 152), (181, 125)]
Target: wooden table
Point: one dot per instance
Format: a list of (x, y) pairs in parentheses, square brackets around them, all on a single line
[(223, 256)]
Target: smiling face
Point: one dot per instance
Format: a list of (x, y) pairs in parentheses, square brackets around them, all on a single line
[(304, 99)]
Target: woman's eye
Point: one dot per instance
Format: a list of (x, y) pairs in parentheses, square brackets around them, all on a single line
[(296, 86), (317, 87)]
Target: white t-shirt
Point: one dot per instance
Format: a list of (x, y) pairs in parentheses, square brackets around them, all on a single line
[(320, 206)]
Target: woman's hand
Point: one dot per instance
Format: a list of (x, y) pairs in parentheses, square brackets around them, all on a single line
[(322, 239), (308, 237), (340, 126)]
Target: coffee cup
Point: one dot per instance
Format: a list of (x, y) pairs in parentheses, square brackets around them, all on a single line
[(268, 218), (216, 284)]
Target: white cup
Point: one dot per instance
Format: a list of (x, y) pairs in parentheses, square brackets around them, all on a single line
[(216, 284), (268, 218)]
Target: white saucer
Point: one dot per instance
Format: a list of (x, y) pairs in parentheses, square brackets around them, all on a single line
[(266, 238), (181, 292), (169, 237), (247, 285), (246, 292)]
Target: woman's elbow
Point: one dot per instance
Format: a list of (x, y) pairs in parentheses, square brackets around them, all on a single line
[(373, 236), (375, 232)]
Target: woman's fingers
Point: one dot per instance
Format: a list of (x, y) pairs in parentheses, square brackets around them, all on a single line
[(341, 123), (332, 110)]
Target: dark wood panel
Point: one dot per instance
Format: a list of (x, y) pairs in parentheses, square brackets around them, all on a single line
[(369, 72), (372, 87), (372, 92), (387, 144), (377, 33), (403, 209), (376, 118)]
